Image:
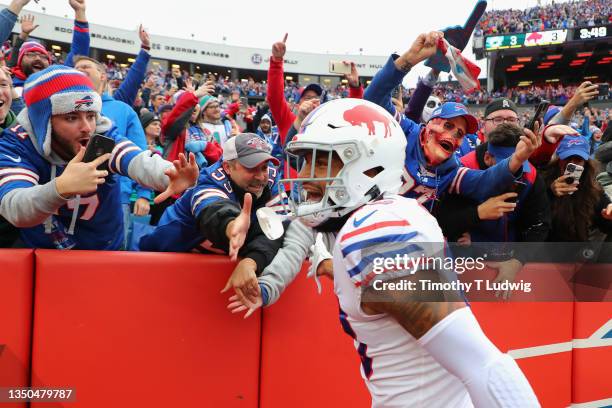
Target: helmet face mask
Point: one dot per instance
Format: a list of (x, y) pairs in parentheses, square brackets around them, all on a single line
[(341, 142)]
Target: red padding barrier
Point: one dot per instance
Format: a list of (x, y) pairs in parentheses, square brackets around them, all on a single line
[(16, 274), (592, 353), (537, 334), (307, 360), (142, 330)]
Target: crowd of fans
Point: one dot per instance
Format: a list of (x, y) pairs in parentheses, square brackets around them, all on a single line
[(583, 13), (171, 115)]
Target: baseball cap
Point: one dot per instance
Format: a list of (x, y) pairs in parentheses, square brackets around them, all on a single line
[(551, 113), (250, 150), (573, 146), (450, 110), (312, 87), (503, 152), (499, 104)]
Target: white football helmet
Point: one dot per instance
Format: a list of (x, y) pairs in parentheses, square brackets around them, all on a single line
[(432, 103), (364, 136)]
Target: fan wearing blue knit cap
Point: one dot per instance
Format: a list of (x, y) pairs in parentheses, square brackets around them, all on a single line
[(46, 190)]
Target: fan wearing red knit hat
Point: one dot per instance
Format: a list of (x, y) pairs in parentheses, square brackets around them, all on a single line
[(33, 56), (49, 192)]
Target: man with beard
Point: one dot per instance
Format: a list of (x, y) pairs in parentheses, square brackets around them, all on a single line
[(431, 166), (46, 190), (208, 218), (33, 57)]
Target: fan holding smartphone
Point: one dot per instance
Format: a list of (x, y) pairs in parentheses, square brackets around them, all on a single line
[(578, 203)]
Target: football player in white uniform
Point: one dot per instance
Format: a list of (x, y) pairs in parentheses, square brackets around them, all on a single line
[(417, 349)]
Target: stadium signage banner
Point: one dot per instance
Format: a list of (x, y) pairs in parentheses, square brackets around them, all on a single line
[(533, 39), (109, 39)]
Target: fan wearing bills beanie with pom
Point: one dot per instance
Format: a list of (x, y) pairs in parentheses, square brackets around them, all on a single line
[(46, 190), (33, 57)]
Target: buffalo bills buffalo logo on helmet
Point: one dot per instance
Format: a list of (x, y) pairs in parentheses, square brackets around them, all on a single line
[(365, 115), (84, 102), (258, 143)]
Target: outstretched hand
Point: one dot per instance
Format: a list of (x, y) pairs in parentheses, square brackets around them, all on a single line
[(238, 228), (183, 175)]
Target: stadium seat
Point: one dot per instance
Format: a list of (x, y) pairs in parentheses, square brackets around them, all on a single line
[(16, 276), (142, 330)]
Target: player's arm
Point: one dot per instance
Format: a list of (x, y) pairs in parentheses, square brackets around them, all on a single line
[(450, 333), (287, 263)]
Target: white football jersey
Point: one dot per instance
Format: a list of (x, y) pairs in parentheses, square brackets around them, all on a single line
[(397, 370)]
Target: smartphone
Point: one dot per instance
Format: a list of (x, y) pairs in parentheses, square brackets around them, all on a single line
[(98, 145), (517, 187), (339, 67), (539, 114), (573, 173), (603, 89)]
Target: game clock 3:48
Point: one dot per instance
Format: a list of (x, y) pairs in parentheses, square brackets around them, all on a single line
[(592, 32)]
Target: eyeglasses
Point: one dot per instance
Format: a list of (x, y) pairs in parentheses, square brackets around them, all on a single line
[(212, 107), (499, 120), (33, 54)]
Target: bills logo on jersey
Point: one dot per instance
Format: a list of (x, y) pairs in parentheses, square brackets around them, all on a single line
[(365, 115), (84, 102)]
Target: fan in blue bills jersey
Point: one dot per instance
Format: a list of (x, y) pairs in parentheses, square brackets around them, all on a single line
[(198, 221), (431, 168), (47, 191)]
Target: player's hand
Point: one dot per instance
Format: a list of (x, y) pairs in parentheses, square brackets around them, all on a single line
[(145, 39), (495, 207), (560, 188), (422, 48), (182, 176), (244, 281), (506, 272), (556, 132), (238, 228), (279, 48), (141, 207), (528, 143), (237, 306), (81, 178), (320, 261)]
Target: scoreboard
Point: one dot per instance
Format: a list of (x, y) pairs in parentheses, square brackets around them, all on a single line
[(550, 37), (595, 32), (533, 39)]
